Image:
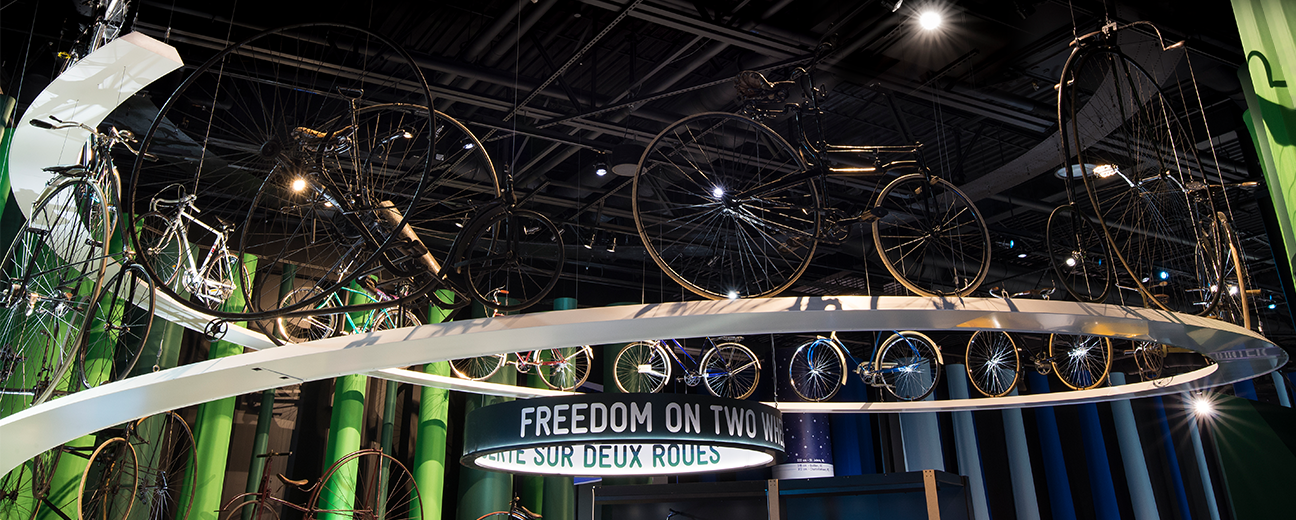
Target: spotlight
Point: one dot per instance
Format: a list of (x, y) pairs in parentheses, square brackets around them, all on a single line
[(1202, 406), (590, 244), (600, 169), (469, 145), (1011, 243), (1233, 290), (717, 192), (1164, 275), (611, 248), (1021, 255), (733, 295), (1104, 171), (930, 20), (1070, 261), (1273, 306), (298, 184)]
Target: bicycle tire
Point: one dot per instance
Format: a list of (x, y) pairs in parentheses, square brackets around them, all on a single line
[(817, 369), (23, 487), (708, 210), (300, 329), (642, 367), (109, 482), (392, 318), (1086, 360), (166, 449), (931, 236), (1149, 357), (123, 315), (730, 370), (367, 484), (518, 250), (479, 368), (259, 511), (1235, 299), (1077, 251), (256, 117), (1156, 220), (921, 360), (565, 368), (158, 245), (993, 363), (49, 276), (218, 285)]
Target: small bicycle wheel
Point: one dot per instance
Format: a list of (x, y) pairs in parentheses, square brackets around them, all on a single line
[(721, 208), (478, 368), (23, 487), (909, 365), (1077, 250), (817, 369), (109, 482), (517, 250), (216, 286), (166, 450), (1149, 357), (160, 247), (730, 370), (300, 329), (47, 280), (367, 484), (120, 321), (279, 141), (564, 368), (1081, 362), (993, 363), (393, 318), (642, 367), (931, 238)]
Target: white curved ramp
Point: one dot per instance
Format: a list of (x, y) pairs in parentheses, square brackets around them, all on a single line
[(1240, 354)]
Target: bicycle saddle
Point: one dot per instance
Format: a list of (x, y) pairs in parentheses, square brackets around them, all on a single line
[(299, 483), (752, 86), (528, 514), (67, 170), (223, 225)]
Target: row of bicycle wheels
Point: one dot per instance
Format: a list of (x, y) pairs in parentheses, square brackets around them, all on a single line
[(142, 466)]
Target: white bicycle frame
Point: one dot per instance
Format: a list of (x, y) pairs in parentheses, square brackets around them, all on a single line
[(196, 278)]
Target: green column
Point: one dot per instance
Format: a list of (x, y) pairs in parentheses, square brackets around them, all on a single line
[(213, 427), (430, 440), (1266, 28), (481, 492), (261, 442), (7, 105), (560, 492), (346, 423), (610, 386)]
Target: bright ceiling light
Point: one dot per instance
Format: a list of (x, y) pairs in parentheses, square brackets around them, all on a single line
[(717, 192), (1070, 261), (1105, 170), (298, 184), (1202, 406), (930, 20), (733, 295)]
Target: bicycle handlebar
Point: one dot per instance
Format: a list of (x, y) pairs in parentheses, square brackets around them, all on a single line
[(186, 200), (114, 135)]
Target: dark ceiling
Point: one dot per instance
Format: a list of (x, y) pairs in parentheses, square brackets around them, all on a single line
[(979, 93)]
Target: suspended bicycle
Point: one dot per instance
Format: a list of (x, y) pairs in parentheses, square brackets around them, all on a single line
[(727, 368), (728, 208), (563, 368), (362, 484), (906, 365)]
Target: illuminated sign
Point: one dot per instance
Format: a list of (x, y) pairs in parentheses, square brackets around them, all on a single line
[(623, 434)]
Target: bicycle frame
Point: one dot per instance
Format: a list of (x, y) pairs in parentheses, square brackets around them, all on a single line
[(195, 276)]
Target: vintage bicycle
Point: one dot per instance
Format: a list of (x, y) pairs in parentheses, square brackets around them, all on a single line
[(728, 208), (362, 484), (727, 368), (906, 365), (142, 466), (994, 358), (310, 327), (515, 511), (562, 368)]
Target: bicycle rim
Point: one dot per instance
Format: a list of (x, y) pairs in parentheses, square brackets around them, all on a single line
[(730, 370), (932, 239), (993, 363), (642, 367), (909, 365), (817, 370), (367, 484), (1081, 362)]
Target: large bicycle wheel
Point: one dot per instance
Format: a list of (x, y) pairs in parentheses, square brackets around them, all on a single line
[(1149, 357), (817, 369), (519, 251), (1148, 182), (166, 450), (642, 367), (300, 329), (909, 365), (120, 321), (993, 363), (367, 484), (48, 279), (723, 207), (1235, 305), (730, 370), (1081, 362), (269, 137), (564, 368), (109, 482), (931, 238), (1077, 250), (478, 368), (23, 487)]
